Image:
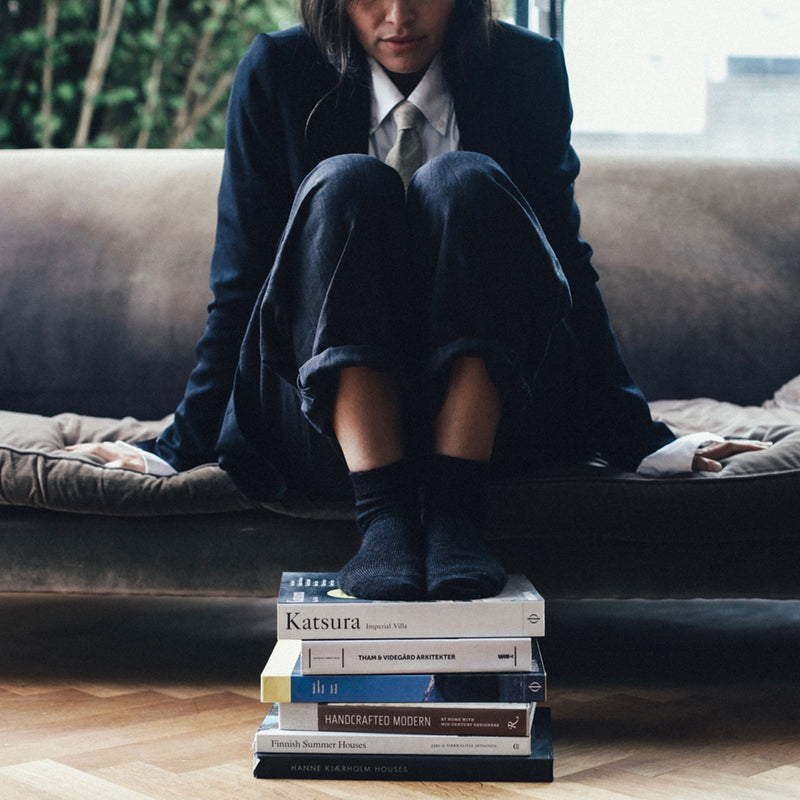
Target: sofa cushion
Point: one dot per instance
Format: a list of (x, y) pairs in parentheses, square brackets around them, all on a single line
[(781, 426), (36, 471)]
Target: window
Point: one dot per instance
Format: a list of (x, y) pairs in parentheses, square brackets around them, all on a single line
[(682, 76)]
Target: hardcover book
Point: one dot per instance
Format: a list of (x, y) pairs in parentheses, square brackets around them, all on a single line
[(270, 738), (538, 766), (311, 606), (461, 719), (365, 656), (282, 681)]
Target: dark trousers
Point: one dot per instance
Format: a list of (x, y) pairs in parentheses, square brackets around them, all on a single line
[(366, 275)]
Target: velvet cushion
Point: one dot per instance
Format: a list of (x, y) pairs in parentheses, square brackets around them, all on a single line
[(781, 426), (754, 500), (36, 471)]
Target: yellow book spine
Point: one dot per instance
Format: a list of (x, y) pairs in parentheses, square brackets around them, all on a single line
[(276, 677)]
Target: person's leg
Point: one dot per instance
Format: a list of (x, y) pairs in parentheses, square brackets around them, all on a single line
[(368, 422), (458, 562), (341, 292), (368, 418), (468, 419), (351, 277), (497, 291), (333, 312)]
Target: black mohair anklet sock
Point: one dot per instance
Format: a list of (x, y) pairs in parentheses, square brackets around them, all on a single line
[(458, 563), (390, 564)]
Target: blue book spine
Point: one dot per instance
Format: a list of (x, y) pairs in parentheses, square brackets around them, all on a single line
[(490, 687)]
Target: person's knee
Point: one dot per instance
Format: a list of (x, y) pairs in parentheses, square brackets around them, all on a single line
[(352, 178), (457, 174)]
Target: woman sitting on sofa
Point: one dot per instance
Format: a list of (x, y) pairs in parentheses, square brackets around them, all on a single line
[(403, 306)]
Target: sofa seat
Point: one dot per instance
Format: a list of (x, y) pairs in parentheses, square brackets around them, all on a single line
[(755, 492)]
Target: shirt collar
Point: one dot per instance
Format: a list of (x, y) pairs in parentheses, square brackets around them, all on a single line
[(431, 96)]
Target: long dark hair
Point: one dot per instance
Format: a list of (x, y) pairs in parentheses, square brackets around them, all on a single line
[(328, 24)]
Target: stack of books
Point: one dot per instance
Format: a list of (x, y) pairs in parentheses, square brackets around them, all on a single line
[(389, 690)]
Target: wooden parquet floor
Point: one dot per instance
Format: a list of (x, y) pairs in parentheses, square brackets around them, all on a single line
[(121, 698)]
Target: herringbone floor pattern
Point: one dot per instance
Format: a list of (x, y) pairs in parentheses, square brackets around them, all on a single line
[(156, 699)]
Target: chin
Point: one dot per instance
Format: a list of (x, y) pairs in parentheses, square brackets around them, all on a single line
[(404, 66)]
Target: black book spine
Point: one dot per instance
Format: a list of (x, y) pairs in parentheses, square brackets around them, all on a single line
[(403, 768)]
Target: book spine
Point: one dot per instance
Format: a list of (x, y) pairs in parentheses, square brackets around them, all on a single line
[(490, 687), (506, 719), (279, 741), (519, 618), (369, 656), (438, 769), (400, 768)]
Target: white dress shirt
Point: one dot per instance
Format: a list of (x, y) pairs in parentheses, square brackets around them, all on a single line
[(431, 96)]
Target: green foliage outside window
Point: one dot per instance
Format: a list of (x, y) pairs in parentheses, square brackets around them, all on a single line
[(124, 73)]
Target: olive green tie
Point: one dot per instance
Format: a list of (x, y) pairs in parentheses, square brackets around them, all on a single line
[(406, 155)]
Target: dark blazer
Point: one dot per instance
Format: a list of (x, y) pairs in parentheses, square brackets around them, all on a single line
[(287, 112)]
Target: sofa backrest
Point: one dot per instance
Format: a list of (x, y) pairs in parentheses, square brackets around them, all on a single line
[(700, 268), (104, 258)]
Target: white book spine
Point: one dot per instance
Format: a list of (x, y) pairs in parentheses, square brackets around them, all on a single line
[(370, 656), (517, 612), (273, 740)]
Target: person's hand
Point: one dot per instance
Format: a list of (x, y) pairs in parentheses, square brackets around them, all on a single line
[(114, 454), (707, 456)]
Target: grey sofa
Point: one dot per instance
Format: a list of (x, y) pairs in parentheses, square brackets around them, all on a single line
[(103, 287)]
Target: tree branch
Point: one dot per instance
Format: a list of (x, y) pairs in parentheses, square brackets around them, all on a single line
[(153, 85), (200, 110), (185, 114), (107, 30), (46, 110)]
